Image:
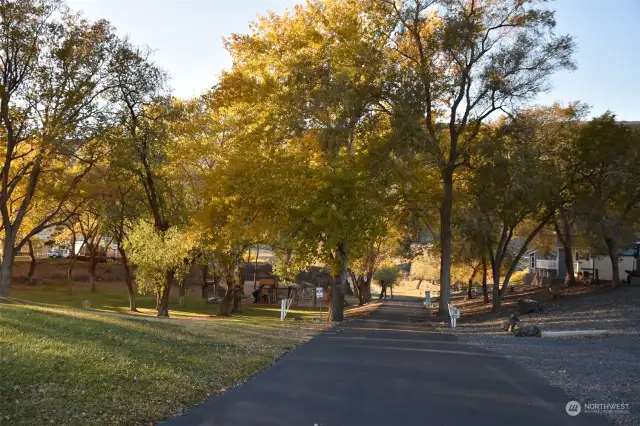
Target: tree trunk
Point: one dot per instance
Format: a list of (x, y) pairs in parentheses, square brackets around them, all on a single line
[(337, 295), (469, 290), (571, 273), (182, 291), (495, 269), (225, 306), (445, 239), (356, 289), (367, 286), (419, 283), (354, 281), (128, 278), (162, 297), (216, 281), (565, 236), (615, 266), (518, 257), (485, 292), (238, 292), (348, 291), (70, 265), (217, 277), (33, 264), (93, 262), (237, 300), (361, 290), (255, 269), (205, 285), (72, 261), (6, 271)]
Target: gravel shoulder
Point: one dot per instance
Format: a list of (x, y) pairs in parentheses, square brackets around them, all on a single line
[(590, 370)]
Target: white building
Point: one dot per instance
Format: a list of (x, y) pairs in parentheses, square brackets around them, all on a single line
[(585, 262)]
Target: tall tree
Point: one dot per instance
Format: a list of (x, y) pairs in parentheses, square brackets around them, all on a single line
[(606, 160), (563, 224), (246, 200), (146, 140), (123, 206), (455, 64), (309, 79), (512, 207), (53, 82)]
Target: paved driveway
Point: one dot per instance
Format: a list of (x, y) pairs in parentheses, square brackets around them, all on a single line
[(388, 369)]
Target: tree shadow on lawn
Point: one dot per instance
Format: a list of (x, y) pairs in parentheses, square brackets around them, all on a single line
[(59, 365), (117, 301), (115, 330)]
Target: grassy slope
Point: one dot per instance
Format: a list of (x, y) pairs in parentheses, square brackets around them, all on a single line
[(66, 365), (115, 300)]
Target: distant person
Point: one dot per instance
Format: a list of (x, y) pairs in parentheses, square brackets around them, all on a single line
[(383, 291), (256, 294)]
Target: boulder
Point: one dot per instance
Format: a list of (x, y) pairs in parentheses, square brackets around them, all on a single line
[(298, 318), (515, 330), (527, 306), (527, 331), (510, 323)]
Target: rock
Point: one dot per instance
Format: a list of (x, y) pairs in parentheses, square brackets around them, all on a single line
[(527, 331), (510, 323), (527, 306), (297, 318)]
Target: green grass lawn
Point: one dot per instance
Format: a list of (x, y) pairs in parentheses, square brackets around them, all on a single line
[(64, 365), (117, 301)]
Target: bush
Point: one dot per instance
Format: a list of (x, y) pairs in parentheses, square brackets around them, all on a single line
[(387, 274), (517, 277)]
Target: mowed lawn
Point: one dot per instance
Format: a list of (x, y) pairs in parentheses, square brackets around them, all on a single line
[(112, 297), (64, 365)]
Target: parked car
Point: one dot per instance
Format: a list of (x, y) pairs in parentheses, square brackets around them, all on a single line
[(57, 253)]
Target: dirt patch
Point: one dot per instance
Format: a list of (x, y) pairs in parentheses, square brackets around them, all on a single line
[(575, 308)]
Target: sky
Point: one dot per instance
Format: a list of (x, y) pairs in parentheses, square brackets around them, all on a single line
[(186, 36)]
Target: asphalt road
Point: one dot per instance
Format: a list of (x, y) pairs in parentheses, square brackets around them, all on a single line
[(387, 369)]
